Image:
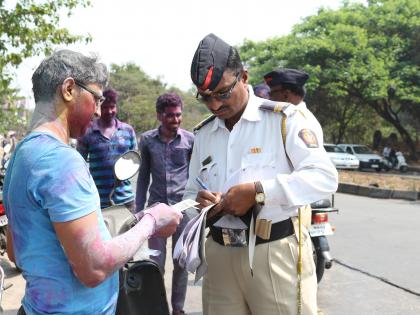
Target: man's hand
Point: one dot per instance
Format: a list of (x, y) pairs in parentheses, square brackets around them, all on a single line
[(239, 199), (166, 218), (207, 198)]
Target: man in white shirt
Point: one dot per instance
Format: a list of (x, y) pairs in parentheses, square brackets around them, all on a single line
[(240, 157)]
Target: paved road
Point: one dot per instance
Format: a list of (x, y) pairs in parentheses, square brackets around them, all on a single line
[(377, 236), (380, 237)]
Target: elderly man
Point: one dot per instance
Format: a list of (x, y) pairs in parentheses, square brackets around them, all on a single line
[(103, 143), (166, 153), (56, 233), (257, 184)]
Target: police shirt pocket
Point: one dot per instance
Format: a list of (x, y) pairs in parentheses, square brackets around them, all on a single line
[(257, 160), (208, 172)]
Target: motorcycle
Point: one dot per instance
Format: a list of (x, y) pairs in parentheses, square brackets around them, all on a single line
[(142, 289), (397, 163), (319, 230)]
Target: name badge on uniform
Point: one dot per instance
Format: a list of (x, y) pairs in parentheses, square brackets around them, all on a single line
[(263, 228), (255, 150)]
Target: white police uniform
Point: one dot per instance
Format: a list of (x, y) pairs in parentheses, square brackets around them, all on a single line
[(254, 151)]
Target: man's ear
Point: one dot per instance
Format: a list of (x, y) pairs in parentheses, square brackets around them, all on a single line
[(159, 116), (67, 89), (245, 76)]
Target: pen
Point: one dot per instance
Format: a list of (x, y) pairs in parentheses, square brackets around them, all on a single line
[(201, 184)]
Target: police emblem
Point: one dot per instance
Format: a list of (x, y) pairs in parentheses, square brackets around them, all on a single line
[(309, 138)]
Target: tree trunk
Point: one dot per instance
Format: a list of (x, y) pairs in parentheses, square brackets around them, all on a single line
[(384, 110)]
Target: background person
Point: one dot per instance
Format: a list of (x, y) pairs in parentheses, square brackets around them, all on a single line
[(166, 153), (56, 232), (106, 139), (288, 85), (262, 90), (246, 152)]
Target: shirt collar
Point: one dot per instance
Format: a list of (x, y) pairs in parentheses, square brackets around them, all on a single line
[(95, 124), (157, 133)]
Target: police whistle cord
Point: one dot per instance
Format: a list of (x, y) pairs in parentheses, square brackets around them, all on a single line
[(299, 267), (376, 277)]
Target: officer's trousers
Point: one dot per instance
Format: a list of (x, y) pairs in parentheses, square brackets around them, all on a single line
[(229, 287)]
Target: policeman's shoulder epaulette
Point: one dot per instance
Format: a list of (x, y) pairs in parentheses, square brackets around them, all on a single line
[(275, 107), (202, 123)]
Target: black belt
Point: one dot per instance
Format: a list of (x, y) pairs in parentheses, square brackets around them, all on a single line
[(279, 230)]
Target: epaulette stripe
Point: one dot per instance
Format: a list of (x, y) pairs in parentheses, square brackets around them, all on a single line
[(203, 123), (276, 108), (302, 113)]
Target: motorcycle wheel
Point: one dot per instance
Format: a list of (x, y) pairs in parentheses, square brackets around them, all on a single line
[(403, 169), (319, 264)]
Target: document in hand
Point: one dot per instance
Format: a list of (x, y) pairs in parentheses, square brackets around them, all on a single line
[(189, 250)]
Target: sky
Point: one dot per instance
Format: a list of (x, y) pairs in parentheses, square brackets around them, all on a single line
[(161, 36)]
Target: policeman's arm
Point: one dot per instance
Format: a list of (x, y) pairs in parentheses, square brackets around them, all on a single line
[(10, 250), (313, 176), (143, 178), (93, 259)]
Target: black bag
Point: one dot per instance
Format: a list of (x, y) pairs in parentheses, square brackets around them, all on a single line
[(142, 290)]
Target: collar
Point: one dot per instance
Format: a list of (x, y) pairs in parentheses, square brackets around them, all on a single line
[(95, 125), (157, 133)]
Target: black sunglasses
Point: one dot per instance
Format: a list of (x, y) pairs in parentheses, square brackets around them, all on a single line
[(221, 95), (99, 99)]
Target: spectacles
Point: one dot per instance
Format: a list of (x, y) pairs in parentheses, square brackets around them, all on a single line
[(221, 95), (172, 115), (99, 99)]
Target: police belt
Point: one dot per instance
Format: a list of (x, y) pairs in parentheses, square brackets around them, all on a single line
[(279, 230)]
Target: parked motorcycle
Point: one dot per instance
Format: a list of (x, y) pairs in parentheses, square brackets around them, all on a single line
[(142, 289), (319, 230), (398, 163)]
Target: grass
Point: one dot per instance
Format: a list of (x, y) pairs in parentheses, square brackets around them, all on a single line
[(380, 180)]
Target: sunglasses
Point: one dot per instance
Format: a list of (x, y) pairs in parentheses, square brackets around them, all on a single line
[(221, 95), (99, 99)]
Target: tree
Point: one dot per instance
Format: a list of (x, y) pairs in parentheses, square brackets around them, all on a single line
[(137, 98), (29, 28), (363, 61)]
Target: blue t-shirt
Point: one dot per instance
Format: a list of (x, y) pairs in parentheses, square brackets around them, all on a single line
[(48, 181)]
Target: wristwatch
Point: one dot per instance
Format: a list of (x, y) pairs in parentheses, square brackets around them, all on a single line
[(259, 196)]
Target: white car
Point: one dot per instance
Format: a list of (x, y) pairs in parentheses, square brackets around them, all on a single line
[(340, 158), (367, 158)]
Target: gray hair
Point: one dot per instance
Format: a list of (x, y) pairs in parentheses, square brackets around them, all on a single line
[(61, 65)]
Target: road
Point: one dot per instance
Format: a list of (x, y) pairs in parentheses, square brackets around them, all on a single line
[(377, 236), (380, 237)]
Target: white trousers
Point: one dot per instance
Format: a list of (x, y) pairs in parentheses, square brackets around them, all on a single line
[(229, 287)]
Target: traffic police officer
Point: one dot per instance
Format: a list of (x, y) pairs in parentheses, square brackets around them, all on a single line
[(240, 156)]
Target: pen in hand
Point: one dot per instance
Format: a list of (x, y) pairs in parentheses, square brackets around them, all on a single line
[(201, 183)]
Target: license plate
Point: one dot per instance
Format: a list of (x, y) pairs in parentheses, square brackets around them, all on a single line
[(375, 165), (321, 229), (3, 220)]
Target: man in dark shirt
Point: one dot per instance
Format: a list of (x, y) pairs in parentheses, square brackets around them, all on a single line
[(106, 139), (166, 153)]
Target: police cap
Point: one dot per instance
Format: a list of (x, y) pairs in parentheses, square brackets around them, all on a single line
[(209, 62), (286, 76)]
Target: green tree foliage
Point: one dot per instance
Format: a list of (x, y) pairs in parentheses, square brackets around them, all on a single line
[(137, 98), (364, 66), (30, 28)]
